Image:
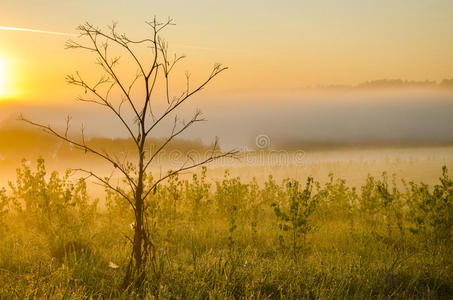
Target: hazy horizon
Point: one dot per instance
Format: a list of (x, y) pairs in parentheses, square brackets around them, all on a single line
[(290, 121)]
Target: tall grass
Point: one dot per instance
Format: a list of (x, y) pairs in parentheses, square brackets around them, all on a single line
[(230, 239)]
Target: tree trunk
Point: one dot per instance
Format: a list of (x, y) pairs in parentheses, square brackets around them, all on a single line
[(139, 231), (136, 269)]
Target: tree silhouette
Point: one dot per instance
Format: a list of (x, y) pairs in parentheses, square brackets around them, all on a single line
[(140, 127)]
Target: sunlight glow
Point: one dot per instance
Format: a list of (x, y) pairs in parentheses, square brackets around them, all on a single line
[(6, 89), (3, 90)]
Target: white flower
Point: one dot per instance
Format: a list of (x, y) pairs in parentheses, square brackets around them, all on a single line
[(113, 265)]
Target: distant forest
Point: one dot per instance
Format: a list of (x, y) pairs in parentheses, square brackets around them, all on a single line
[(445, 84), (18, 142)]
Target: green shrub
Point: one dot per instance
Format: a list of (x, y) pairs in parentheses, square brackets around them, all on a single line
[(55, 207), (3, 208), (230, 195), (431, 213), (196, 194), (295, 220)]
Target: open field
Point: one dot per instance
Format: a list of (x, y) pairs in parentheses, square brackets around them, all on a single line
[(228, 235)]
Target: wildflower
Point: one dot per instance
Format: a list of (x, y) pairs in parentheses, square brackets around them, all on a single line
[(113, 265)]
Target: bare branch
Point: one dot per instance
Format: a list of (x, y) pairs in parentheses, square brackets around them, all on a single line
[(149, 93), (215, 71), (166, 64), (93, 33), (231, 154), (174, 134), (68, 120), (105, 182), (137, 76), (86, 148), (103, 100)]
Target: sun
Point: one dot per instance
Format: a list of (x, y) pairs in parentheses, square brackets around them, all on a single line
[(7, 88)]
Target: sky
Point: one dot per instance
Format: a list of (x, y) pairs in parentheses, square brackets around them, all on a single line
[(272, 48), (268, 45)]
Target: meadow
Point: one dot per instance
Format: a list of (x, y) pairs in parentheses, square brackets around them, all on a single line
[(323, 229), (331, 178)]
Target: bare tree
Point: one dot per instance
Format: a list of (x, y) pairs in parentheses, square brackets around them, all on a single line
[(140, 127)]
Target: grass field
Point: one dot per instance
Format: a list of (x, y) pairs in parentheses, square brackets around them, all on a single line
[(241, 234)]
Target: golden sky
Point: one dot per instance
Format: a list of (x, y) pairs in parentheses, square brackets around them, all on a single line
[(270, 46)]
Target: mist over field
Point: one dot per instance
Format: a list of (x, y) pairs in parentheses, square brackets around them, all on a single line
[(303, 120), (349, 132), (408, 131), (348, 118)]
